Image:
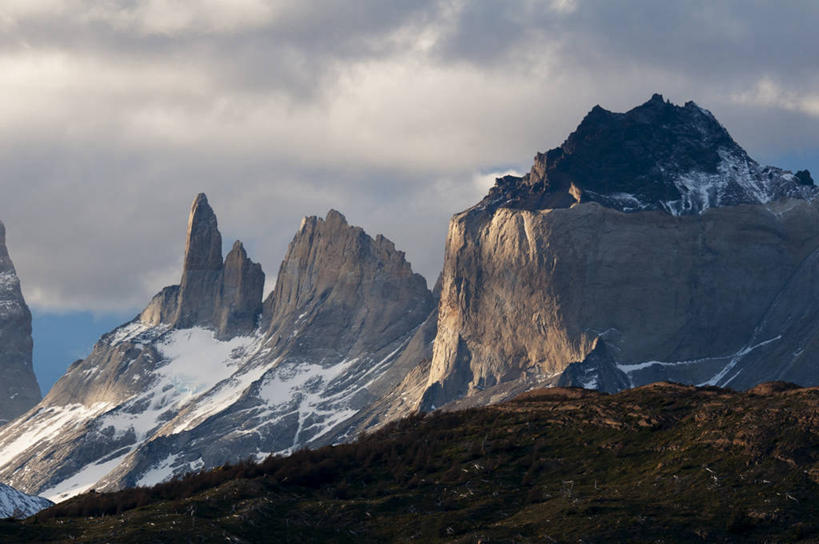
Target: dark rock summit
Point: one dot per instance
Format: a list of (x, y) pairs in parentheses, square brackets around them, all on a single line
[(18, 386), (225, 296), (657, 156)]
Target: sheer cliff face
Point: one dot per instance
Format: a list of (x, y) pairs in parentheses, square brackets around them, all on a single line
[(18, 386), (206, 375), (532, 279)]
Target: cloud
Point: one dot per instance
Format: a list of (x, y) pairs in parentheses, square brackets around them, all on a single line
[(768, 93), (116, 113)]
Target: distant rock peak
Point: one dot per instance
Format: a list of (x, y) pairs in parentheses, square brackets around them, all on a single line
[(222, 295), (18, 386), (338, 268), (657, 156)]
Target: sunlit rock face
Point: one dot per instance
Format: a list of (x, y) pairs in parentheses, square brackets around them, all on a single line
[(207, 374), (650, 231), (18, 386)]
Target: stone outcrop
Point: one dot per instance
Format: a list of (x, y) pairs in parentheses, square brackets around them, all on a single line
[(240, 299), (225, 296), (18, 386), (597, 371)]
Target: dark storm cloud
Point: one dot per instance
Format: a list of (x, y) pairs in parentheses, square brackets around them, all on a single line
[(116, 114)]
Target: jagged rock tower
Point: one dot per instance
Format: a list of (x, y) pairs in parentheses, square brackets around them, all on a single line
[(223, 295)]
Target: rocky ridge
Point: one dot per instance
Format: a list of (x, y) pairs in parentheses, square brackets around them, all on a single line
[(18, 386), (209, 374)]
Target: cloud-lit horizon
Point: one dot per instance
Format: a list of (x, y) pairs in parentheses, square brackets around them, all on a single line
[(116, 114)]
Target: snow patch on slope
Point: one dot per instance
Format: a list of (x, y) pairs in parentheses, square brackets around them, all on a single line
[(718, 379), (83, 480), (196, 362), (160, 472)]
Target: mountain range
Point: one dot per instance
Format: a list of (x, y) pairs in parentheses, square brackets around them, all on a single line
[(647, 247)]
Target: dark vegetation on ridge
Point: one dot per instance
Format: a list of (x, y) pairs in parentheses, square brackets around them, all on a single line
[(661, 463)]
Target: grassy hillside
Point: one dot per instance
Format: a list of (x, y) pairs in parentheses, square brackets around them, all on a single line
[(662, 463)]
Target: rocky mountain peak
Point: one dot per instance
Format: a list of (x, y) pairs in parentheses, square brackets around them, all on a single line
[(18, 386), (202, 267), (203, 242), (241, 294), (5, 261), (223, 295), (348, 323), (336, 219), (597, 371), (656, 156), (341, 281)]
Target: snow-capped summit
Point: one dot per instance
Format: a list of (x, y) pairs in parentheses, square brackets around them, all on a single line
[(657, 156)]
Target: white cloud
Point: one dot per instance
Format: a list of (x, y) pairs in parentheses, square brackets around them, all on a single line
[(163, 17), (171, 17), (770, 94)]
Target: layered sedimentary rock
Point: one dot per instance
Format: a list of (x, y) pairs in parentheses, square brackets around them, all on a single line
[(18, 386), (705, 276), (195, 383)]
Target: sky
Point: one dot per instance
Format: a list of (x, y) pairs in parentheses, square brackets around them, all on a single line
[(116, 114)]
